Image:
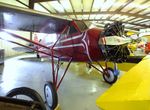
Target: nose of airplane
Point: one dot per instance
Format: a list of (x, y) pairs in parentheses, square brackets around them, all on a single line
[(113, 42)]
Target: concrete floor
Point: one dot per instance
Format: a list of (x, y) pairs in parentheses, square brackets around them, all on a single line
[(78, 91)]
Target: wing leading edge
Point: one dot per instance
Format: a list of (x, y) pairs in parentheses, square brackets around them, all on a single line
[(15, 18)]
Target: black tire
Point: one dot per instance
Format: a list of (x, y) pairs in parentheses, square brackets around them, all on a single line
[(53, 101), (35, 96), (110, 77)]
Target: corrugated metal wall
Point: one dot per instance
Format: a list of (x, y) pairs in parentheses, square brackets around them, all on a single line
[(8, 46)]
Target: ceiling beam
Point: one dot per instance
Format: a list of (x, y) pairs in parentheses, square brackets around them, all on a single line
[(109, 10), (31, 4), (146, 13), (101, 7), (124, 5), (45, 7), (142, 21), (131, 19), (37, 1), (129, 28), (91, 8), (136, 24), (82, 4), (112, 5), (22, 3), (135, 20), (140, 4), (106, 12), (73, 8), (121, 7), (63, 8), (142, 10)]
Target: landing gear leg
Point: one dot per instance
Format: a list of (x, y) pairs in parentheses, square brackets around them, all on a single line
[(50, 88), (109, 75)]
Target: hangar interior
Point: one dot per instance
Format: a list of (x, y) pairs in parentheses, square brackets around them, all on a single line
[(82, 85)]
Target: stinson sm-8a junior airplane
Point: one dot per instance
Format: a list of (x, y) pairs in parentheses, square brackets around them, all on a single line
[(75, 43)]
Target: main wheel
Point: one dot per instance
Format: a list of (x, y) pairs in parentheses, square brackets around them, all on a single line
[(50, 95), (109, 76), (29, 93)]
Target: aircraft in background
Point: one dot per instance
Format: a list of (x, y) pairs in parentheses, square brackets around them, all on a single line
[(75, 43)]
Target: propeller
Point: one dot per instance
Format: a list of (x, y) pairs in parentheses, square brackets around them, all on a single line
[(116, 49)]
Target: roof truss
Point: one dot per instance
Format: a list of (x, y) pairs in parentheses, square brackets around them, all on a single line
[(136, 18)]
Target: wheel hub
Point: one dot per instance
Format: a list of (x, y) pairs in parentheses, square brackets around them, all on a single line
[(109, 76)]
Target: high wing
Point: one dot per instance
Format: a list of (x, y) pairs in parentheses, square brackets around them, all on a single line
[(16, 18)]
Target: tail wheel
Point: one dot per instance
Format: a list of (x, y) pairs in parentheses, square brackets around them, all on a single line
[(25, 92), (50, 95), (109, 76)]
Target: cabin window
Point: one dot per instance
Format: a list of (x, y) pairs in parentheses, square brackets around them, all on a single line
[(82, 26), (72, 30)]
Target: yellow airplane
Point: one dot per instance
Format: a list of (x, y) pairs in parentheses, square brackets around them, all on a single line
[(131, 91)]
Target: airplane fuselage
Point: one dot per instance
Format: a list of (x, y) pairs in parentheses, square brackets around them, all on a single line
[(81, 46)]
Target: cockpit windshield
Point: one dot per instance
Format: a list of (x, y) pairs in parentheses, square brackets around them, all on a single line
[(82, 26), (72, 28)]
